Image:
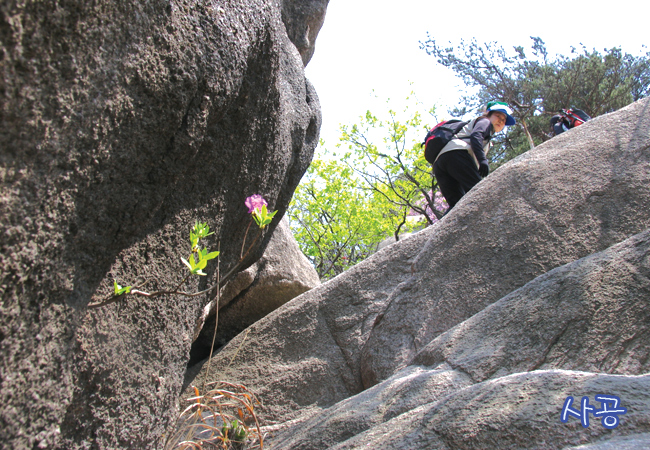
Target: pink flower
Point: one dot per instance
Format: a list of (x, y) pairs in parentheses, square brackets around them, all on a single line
[(439, 203), (255, 202)]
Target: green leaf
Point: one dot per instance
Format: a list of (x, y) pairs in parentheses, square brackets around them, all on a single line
[(201, 229), (263, 217), (189, 266), (119, 290), (212, 255), (201, 264), (194, 240)]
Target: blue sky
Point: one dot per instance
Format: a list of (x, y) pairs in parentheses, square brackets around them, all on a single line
[(369, 45)]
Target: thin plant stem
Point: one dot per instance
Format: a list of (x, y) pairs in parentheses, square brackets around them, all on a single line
[(219, 284), (241, 253), (216, 322), (238, 348), (182, 282)]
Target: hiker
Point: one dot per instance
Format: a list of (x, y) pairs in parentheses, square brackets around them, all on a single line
[(463, 162), (567, 119), (559, 124)]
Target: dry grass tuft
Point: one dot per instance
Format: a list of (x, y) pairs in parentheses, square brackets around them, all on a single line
[(223, 418)]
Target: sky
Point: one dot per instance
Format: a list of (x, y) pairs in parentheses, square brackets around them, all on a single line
[(367, 51)]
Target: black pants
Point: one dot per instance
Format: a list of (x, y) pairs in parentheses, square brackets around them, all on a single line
[(456, 173)]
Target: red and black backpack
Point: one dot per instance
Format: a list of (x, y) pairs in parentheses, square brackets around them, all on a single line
[(439, 136)]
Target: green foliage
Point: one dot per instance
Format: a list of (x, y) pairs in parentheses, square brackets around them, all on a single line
[(537, 85), (199, 231), (336, 223), (395, 168), (234, 431), (196, 266), (263, 217), (198, 259), (119, 290), (353, 198)]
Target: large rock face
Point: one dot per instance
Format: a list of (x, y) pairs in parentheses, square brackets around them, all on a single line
[(592, 315), (121, 124), (407, 339)]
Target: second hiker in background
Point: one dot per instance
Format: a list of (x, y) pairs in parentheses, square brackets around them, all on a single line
[(463, 161)]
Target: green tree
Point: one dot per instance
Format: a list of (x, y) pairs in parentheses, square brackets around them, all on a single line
[(537, 85), (352, 199), (336, 223), (394, 168)]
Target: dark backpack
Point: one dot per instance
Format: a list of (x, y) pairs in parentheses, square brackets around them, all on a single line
[(576, 116), (567, 119), (439, 136)]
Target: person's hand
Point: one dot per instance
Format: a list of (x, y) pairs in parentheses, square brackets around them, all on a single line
[(484, 169)]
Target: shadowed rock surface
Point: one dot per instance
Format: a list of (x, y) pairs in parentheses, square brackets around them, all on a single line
[(358, 354), (121, 124), (306, 352), (633, 442), (281, 274)]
